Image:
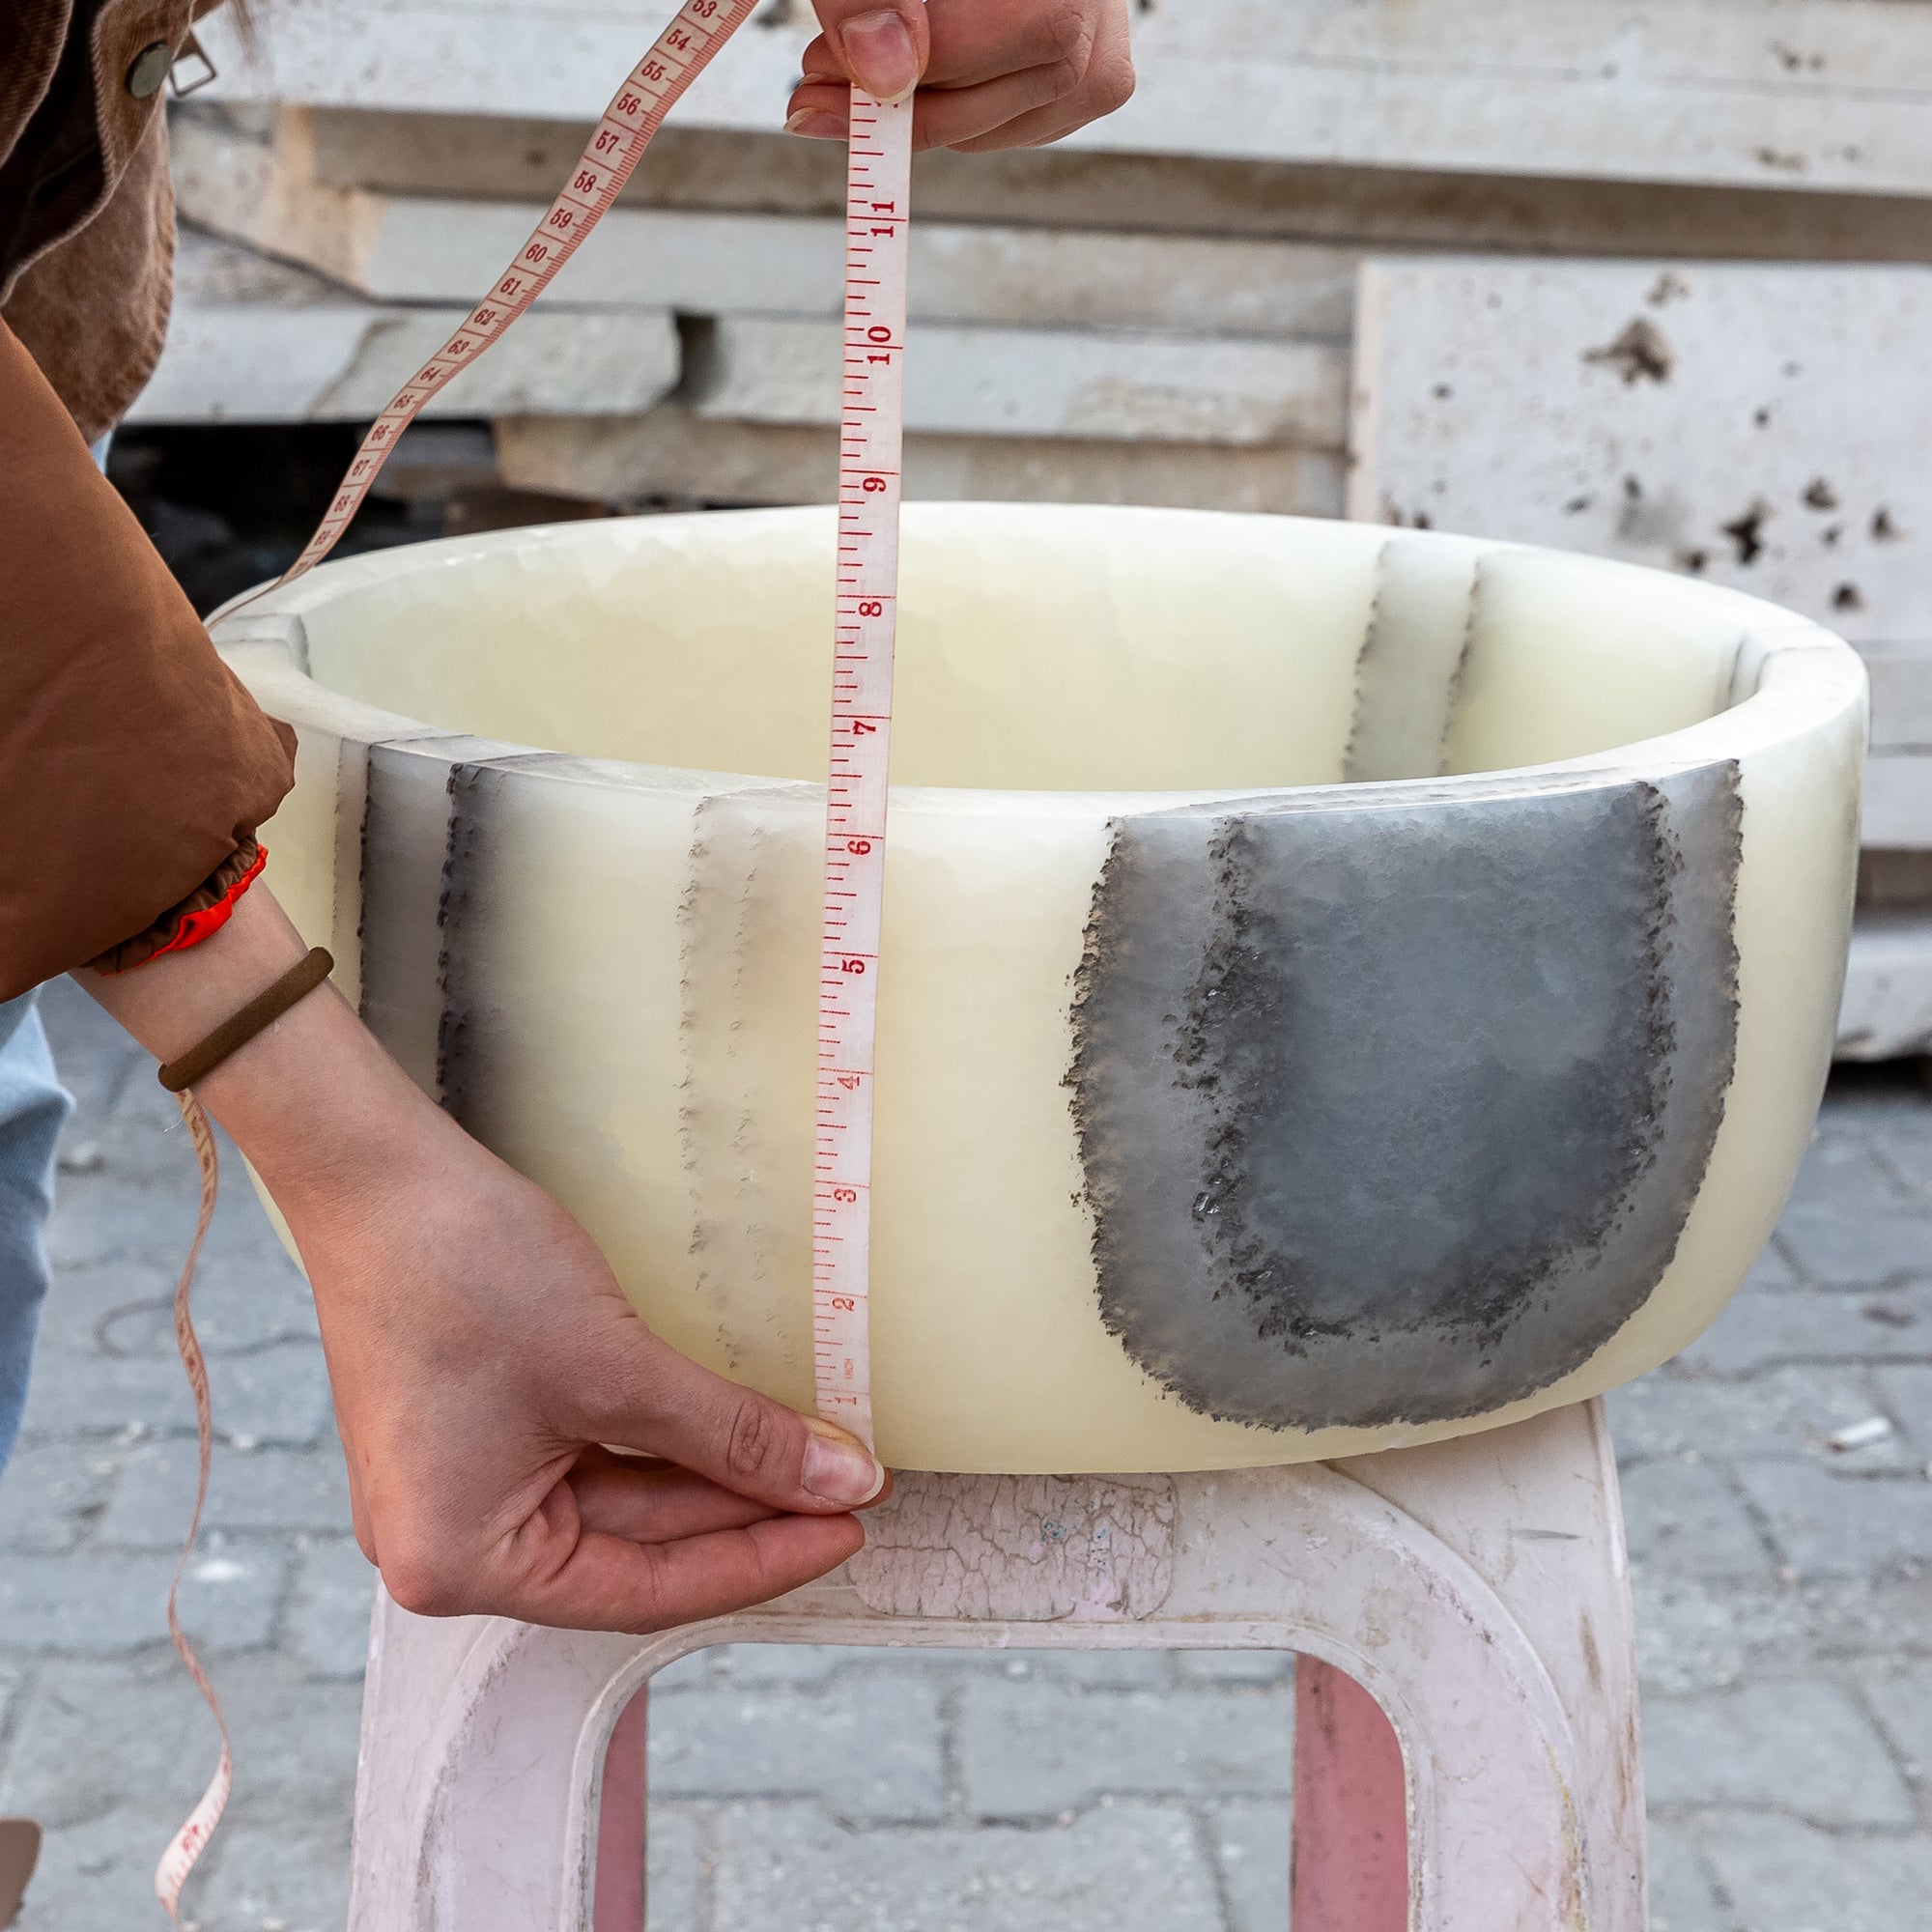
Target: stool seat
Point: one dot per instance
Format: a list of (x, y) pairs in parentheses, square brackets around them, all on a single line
[(1476, 1590)]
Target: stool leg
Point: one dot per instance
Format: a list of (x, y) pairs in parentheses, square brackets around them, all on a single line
[(1350, 1854), (620, 1825)]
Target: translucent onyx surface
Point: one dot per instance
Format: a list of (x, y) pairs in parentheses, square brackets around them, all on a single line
[(1341, 986)]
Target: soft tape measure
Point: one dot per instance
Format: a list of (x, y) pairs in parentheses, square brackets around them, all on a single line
[(870, 430)]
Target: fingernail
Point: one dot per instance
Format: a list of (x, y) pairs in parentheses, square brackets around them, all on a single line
[(838, 1470), (879, 51), (815, 124)]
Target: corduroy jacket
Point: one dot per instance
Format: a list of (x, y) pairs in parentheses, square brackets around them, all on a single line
[(135, 770)]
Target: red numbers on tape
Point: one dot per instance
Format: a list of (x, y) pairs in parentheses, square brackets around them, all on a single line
[(879, 174)]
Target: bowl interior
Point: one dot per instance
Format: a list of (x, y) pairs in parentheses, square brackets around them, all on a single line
[(1040, 647)]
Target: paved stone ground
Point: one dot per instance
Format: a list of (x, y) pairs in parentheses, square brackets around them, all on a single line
[(1784, 1602)]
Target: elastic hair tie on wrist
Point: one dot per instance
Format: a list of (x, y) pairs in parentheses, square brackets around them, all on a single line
[(260, 1012)]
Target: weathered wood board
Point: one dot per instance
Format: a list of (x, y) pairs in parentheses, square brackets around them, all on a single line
[(1806, 94), (1762, 426)]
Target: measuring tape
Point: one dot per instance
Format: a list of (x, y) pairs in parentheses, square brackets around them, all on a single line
[(871, 437), (187, 1844), (871, 419), (677, 57)]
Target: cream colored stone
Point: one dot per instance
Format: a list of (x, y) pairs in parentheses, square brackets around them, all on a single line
[(260, 186), (998, 382), (669, 452), (1754, 425), (253, 341)]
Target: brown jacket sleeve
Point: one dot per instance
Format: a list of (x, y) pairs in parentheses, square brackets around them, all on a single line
[(135, 768)]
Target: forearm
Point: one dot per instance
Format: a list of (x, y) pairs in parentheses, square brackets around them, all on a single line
[(313, 1101)]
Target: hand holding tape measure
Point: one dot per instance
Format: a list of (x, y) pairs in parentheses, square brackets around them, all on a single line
[(1006, 73)]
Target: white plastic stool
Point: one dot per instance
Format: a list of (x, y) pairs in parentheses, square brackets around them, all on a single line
[(1476, 1589)]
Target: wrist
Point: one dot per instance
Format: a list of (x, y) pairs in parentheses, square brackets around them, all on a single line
[(321, 1113)]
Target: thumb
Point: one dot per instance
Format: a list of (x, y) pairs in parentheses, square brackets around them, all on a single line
[(883, 45), (666, 1405)]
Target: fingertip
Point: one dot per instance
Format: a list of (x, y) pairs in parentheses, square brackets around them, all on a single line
[(881, 54), (812, 124), (836, 1467)]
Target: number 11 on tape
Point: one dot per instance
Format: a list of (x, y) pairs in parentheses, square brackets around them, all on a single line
[(871, 432)]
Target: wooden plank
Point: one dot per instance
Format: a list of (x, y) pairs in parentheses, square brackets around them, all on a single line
[(263, 190), (1763, 427), (671, 454), (1800, 93), (1112, 386)]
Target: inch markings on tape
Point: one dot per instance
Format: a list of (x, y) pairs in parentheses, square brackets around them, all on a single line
[(179, 1858), (870, 434), (677, 57)]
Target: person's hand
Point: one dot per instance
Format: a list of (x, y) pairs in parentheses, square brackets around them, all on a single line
[(480, 1349), (991, 73), (483, 1362)]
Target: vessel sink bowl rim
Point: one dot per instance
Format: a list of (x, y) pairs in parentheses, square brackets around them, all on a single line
[(1765, 630)]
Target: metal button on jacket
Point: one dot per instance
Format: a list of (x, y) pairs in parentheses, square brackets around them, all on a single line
[(150, 69)]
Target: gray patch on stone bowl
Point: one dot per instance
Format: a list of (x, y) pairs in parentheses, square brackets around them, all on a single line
[(1393, 1100)]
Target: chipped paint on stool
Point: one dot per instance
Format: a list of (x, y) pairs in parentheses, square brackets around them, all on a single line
[(1024, 1548), (1342, 988)]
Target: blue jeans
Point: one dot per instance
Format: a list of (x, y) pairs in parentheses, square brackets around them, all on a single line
[(33, 1104)]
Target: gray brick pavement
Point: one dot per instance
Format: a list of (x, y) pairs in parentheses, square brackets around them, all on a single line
[(875, 1749), (1776, 1875), (1785, 1621), (788, 1868), (1806, 1748), (1033, 1750)]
